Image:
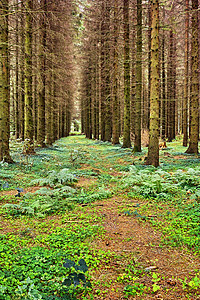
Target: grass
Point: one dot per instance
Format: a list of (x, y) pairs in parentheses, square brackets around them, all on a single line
[(62, 219)]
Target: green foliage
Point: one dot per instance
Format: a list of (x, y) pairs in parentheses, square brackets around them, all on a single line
[(89, 197), (156, 183), (75, 278), (184, 227), (55, 178), (42, 202), (40, 271), (136, 289), (193, 284), (155, 280)]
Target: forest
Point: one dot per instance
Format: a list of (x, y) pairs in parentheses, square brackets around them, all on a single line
[(99, 154)]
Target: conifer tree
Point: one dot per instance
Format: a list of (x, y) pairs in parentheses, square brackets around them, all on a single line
[(194, 100), (138, 100), (28, 130), (4, 85), (126, 132), (42, 75), (153, 149), (186, 81)]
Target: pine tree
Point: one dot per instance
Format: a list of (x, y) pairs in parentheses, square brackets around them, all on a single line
[(4, 85), (29, 130), (153, 150), (115, 137), (126, 133), (185, 100), (194, 100), (42, 75), (138, 100)]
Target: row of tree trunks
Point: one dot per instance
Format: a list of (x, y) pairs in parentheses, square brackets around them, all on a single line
[(125, 74)]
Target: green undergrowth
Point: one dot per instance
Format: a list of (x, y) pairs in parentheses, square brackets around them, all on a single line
[(174, 196), (45, 247), (40, 267)]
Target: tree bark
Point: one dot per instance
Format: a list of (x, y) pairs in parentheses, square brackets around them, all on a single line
[(42, 75), (115, 136), (194, 100), (163, 133), (29, 130), (138, 100), (185, 98), (4, 85), (153, 150), (126, 130)]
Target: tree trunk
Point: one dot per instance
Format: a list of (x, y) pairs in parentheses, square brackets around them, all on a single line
[(194, 100), (126, 131), (4, 87), (17, 108), (107, 85), (163, 133), (137, 144), (149, 61), (115, 136), (185, 98), (22, 78), (29, 132), (153, 150), (42, 75)]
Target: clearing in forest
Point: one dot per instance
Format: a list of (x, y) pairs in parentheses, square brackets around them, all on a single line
[(93, 222)]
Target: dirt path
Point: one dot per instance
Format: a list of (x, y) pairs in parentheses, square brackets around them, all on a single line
[(132, 240)]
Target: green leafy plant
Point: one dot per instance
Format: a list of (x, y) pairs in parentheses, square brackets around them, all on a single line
[(155, 280), (193, 284), (27, 290), (134, 290), (75, 278), (54, 178)]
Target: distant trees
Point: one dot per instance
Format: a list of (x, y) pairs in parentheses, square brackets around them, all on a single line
[(105, 55), (38, 67), (132, 72)]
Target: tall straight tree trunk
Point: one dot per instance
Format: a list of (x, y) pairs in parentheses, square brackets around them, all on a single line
[(138, 100), (97, 92), (194, 101), (175, 101), (153, 150), (35, 68), (171, 89), (17, 108), (50, 108), (163, 133), (4, 86), (115, 136), (149, 60), (102, 81), (133, 71), (29, 132), (107, 87), (185, 98), (126, 131), (42, 64), (22, 76)]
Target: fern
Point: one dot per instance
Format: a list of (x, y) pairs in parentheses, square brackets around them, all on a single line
[(54, 178), (19, 209)]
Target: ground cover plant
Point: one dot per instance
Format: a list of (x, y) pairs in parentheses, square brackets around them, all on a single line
[(88, 220)]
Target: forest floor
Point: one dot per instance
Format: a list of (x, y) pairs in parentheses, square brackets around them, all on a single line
[(93, 222)]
